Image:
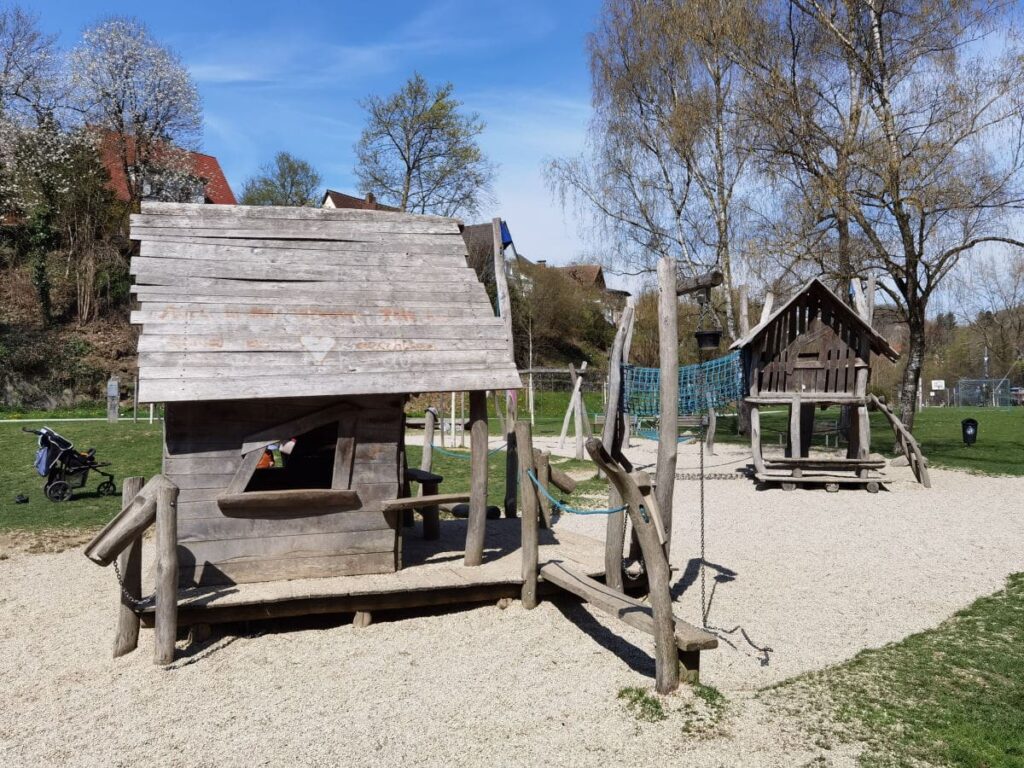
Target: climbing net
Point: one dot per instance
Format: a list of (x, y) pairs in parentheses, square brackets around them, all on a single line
[(721, 378)]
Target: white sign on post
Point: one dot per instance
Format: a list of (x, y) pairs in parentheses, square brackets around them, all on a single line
[(938, 385)]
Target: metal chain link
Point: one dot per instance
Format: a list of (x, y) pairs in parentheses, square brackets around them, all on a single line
[(124, 592)]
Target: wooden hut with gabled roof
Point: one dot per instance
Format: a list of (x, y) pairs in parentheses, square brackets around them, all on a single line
[(812, 352), (284, 343)]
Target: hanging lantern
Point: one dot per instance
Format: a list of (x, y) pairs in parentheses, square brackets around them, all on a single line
[(708, 338)]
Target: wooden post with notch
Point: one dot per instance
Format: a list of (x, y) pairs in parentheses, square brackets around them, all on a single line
[(478, 478), (166, 619), (126, 636), (531, 507)]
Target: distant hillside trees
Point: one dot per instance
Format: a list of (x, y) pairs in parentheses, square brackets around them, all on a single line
[(419, 151), (285, 180)]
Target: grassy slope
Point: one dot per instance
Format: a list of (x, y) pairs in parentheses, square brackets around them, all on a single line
[(953, 695)]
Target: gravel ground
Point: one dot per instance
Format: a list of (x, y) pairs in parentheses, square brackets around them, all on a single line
[(815, 576)]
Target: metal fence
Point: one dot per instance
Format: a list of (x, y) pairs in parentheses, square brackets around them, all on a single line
[(984, 392)]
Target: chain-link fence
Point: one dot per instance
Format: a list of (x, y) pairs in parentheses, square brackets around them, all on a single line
[(984, 392)]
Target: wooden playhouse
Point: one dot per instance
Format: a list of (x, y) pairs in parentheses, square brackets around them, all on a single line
[(266, 328), (813, 352)]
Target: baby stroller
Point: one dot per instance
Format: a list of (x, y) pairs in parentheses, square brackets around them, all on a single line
[(65, 468)]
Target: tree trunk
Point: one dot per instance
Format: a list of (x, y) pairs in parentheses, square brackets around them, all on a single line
[(912, 372)]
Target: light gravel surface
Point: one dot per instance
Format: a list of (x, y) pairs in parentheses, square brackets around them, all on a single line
[(815, 576)]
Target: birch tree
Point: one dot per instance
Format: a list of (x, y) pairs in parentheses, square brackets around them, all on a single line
[(895, 120), (667, 154)]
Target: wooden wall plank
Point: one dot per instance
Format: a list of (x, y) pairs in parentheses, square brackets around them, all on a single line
[(287, 568)]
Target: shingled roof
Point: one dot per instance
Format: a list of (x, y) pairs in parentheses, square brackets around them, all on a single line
[(240, 302)]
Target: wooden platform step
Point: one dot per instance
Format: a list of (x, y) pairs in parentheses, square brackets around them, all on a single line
[(825, 463), (627, 609)]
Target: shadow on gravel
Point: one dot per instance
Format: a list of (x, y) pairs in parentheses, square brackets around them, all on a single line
[(636, 658)]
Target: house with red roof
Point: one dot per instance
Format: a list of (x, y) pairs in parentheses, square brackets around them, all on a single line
[(191, 177), (334, 199)]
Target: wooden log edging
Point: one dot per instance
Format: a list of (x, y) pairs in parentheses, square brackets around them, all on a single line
[(530, 521), (129, 562), (166, 574)]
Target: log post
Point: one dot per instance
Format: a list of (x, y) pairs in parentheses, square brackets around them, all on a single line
[(478, 478), (614, 535), (113, 398), (126, 636), (166, 619), (128, 524), (427, 457), (666, 652), (511, 458), (578, 410), (743, 407), (542, 460), (524, 443), (668, 422)]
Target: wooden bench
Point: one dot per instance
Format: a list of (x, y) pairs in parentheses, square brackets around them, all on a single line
[(427, 504)]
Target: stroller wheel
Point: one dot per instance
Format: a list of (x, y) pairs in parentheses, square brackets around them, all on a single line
[(58, 490), (106, 488)]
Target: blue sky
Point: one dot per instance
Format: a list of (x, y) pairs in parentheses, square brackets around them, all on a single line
[(288, 75)]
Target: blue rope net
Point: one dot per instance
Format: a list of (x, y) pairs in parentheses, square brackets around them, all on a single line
[(721, 378)]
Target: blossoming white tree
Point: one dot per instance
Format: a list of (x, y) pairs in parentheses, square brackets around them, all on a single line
[(138, 92)]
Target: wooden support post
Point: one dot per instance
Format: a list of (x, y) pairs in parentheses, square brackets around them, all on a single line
[(766, 308), (755, 439), (431, 513), (362, 619), (166, 619), (542, 460), (126, 636), (531, 506), (614, 537), (743, 408), (578, 410), (511, 472), (690, 663), (666, 652), (806, 428), (793, 449), (575, 392), (113, 398), (668, 422), (427, 457), (135, 399), (478, 478)]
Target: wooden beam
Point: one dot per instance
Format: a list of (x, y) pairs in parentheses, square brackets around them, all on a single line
[(304, 501), (166, 574), (501, 282), (699, 282), (766, 308), (627, 609), (531, 508), (415, 502), (478, 478), (542, 461), (129, 562), (128, 524), (668, 421)]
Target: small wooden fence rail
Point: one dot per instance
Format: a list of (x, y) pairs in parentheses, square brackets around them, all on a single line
[(121, 540)]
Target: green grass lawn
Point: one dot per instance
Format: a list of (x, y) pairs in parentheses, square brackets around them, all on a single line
[(953, 695), (134, 449)]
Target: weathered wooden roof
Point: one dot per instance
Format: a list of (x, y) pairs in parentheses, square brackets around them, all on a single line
[(240, 302), (879, 345)]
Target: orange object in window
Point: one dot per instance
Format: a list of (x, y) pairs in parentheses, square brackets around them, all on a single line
[(266, 460)]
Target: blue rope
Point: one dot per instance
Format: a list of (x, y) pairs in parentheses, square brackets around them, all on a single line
[(464, 455), (563, 507), (721, 378), (652, 434)]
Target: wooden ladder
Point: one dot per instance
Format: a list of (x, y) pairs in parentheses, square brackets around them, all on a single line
[(909, 445)]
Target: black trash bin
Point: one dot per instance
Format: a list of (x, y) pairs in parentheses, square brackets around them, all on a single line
[(969, 427)]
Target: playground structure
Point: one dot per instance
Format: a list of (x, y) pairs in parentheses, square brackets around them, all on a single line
[(813, 352), (272, 327)]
